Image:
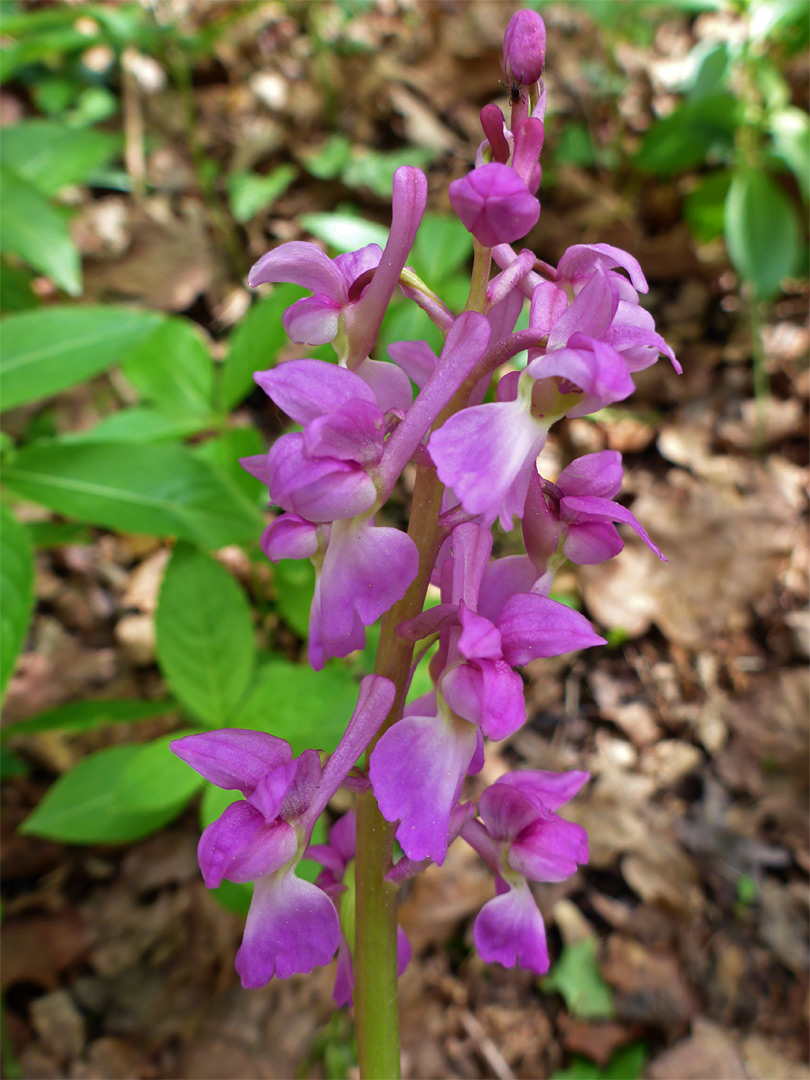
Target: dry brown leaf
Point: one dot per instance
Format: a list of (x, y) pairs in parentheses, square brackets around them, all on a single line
[(708, 1052)]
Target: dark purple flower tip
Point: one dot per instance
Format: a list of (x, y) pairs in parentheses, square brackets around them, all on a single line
[(494, 204), (524, 47)]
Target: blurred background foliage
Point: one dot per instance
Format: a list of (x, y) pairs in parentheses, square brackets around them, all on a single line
[(150, 152)]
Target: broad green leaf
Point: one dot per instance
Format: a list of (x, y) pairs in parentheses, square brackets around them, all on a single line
[(16, 293), (577, 977), (707, 67), (627, 1063), (152, 488), (249, 192), (205, 644), (11, 765), (58, 533), (330, 159), (172, 369), (51, 156), (84, 715), (704, 208), (16, 590), (307, 708), (142, 423), (224, 452), (156, 779), (49, 350), (344, 232), (255, 344), (790, 131), (38, 234), (697, 130), (442, 246), (762, 230), (84, 805), (375, 170), (294, 581)]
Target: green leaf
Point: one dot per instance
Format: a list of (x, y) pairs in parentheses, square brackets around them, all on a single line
[(156, 779), (762, 231), (707, 67), (249, 192), (84, 805), (628, 1063), (85, 715), (16, 590), (58, 533), (577, 977), (375, 170), (16, 293), (142, 423), (704, 208), (294, 580), (51, 156), (697, 130), (344, 232), (225, 450), (172, 368), (330, 159), (790, 131), (156, 489), (256, 343), (50, 350), (205, 644), (305, 707), (442, 246), (33, 230)]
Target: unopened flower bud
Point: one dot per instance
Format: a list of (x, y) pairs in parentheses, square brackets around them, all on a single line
[(494, 204), (524, 47)]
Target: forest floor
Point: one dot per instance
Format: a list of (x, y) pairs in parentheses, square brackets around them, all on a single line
[(685, 939)]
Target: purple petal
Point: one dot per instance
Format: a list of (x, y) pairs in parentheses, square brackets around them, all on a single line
[(597, 369), (584, 508), (318, 489), (241, 847), (591, 543), (290, 537), (416, 358), (303, 787), (486, 454), (549, 850), (502, 579), (590, 313), (292, 927), (532, 626), (353, 264), (593, 474), (354, 432), (580, 261), (547, 790), (302, 264), (629, 339), (343, 992), (268, 795), (390, 386), (233, 758), (506, 811), (368, 568), (541, 525), (257, 465), (306, 389), (488, 693), (480, 639), (549, 302), (313, 320), (509, 930), (471, 546), (417, 769)]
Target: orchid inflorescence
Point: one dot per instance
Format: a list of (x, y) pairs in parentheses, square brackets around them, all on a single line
[(474, 429)]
